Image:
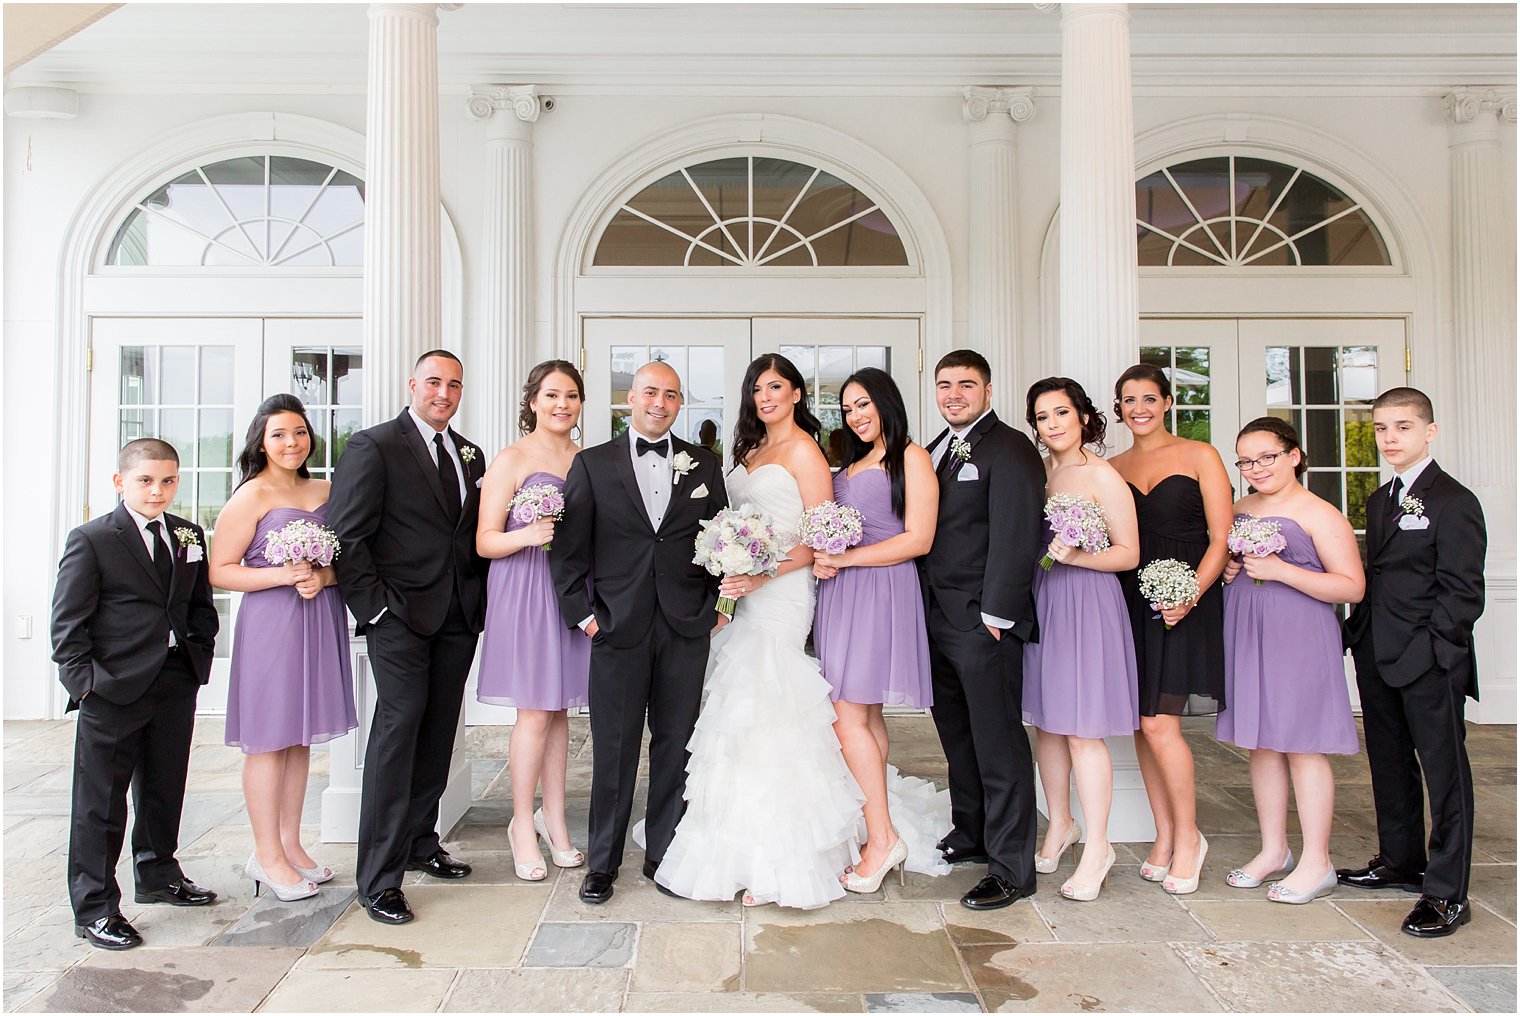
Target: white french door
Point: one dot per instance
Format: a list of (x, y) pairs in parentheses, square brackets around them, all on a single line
[(196, 383)]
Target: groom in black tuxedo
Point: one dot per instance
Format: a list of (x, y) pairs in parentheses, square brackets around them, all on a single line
[(1412, 640), (134, 633), (404, 504), (979, 613), (622, 565)]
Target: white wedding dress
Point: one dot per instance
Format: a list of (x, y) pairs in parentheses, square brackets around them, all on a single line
[(772, 809)]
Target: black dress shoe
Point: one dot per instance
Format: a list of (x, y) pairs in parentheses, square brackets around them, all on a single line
[(180, 893), (597, 887), (964, 855), (1436, 918), (389, 906), (993, 893), (1378, 874), (650, 867), (112, 932), (440, 865)]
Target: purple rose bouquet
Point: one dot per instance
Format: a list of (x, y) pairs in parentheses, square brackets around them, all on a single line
[(738, 541), (1255, 536), (302, 540), (535, 502), (831, 527), (1078, 522)]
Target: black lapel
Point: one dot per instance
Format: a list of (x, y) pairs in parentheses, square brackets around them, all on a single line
[(624, 466), (129, 534), (471, 477), (177, 553), (982, 428), (412, 438), (935, 443), (680, 493)]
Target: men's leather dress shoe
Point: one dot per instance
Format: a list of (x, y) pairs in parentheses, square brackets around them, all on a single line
[(1436, 918), (597, 887), (180, 893), (650, 867), (112, 932), (389, 906), (440, 865), (993, 893), (1378, 874), (964, 855)]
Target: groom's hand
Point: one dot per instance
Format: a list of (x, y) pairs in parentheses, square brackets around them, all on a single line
[(722, 620), (591, 629), (996, 633)]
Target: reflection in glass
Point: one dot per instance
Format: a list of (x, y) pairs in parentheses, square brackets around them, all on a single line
[(1190, 376), (177, 377), (348, 377), (138, 375), (308, 375), (1193, 424), (1282, 376), (1326, 484), (177, 426), (835, 363), (620, 420), (626, 360), (345, 423), (211, 497), (1359, 487), (1322, 441), (715, 434), (224, 625), (320, 421), (1319, 375), (216, 375), (133, 425), (1359, 381), (1361, 443), (803, 359), (705, 385), (215, 438), (873, 356), (672, 356)]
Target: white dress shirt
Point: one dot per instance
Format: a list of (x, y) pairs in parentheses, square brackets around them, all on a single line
[(147, 538), (1410, 475), (940, 452), (653, 473), (427, 430)]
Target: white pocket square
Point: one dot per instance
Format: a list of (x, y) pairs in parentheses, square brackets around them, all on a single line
[(1414, 522), (193, 553), (479, 482), (701, 491), (968, 472)]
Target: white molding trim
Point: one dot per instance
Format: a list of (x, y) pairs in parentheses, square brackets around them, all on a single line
[(900, 197)]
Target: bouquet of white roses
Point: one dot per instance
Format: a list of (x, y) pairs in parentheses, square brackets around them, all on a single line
[(1168, 583), (738, 541), (302, 540), (538, 501), (1077, 522), (1255, 536), (831, 527)]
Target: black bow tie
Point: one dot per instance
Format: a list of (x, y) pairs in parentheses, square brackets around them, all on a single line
[(660, 448)]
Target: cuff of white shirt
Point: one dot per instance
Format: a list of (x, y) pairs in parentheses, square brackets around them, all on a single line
[(378, 616), (996, 622), (581, 624)]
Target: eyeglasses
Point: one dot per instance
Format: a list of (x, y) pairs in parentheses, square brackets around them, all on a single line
[(1264, 461)]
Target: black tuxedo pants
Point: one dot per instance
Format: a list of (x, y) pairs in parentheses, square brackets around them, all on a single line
[(419, 688), (1414, 731), (978, 700), (662, 676), (146, 744)]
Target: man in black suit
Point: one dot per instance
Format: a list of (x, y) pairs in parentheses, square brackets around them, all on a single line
[(1412, 640), (404, 505), (134, 633), (980, 612), (622, 565)]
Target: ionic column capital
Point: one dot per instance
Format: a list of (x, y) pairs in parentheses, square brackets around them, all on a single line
[(1473, 105), (522, 101), (978, 104)]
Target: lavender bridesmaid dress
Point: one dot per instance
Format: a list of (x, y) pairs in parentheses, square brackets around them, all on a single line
[(1079, 678), (869, 628), (291, 680), (1285, 679), (529, 659)]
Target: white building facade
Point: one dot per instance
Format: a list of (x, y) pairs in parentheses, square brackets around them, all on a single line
[(1324, 203)]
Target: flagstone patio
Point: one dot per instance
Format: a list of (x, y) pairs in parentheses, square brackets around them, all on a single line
[(492, 943)]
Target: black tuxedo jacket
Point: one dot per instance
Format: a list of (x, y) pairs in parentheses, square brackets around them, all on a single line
[(1424, 586), (112, 616), (399, 550), (608, 560), (988, 538)]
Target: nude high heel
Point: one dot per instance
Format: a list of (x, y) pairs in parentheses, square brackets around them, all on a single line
[(856, 883), (1088, 893), (1047, 865), (304, 889), (1183, 886), (527, 872), (571, 858)]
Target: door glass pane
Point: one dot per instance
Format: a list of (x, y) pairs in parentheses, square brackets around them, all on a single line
[(705, 385), (1187, 368), (1361, 446), (626, 360), (313, 370), (1322, 442), (308, 376), (673, 356), (1282, 375), (216, 374), (347, 377), (137, 378), (215, 439), (1193, 424), (1320, 375), (178, 377), (346, 422), (873, 356), (1190, 376), (177, 426)]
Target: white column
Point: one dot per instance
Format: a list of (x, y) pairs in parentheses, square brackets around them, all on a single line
[(1477, 441), (993, 116), (1100, 279), (507, 349)]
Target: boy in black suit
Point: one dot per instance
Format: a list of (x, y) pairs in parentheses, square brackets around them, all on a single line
[(134, 633), (1411, 638)]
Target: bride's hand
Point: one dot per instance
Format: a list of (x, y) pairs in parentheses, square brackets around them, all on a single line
[(736, 586), (823, 571)]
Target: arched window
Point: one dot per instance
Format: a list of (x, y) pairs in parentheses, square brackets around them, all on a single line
[(750, 212), (1238, 212), (268, 211)]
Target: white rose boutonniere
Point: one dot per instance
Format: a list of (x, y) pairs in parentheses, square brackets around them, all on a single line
[(187, 537), (961, 449), (681, 464), (467, 454), (1413, 506)]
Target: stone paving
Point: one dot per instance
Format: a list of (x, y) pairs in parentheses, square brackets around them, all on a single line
[(492, 943)]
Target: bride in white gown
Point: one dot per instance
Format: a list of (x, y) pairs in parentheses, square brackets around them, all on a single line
[(772, 810)]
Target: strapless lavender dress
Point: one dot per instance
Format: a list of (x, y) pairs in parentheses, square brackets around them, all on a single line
[(1079, 678), (291, 679), (869, 628), (529, 659), (1285, 677)]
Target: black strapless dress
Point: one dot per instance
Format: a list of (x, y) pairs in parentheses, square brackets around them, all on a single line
[(1181, 671)]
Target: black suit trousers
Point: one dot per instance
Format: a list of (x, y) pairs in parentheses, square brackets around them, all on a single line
[(419, 688), (978, 699), (1413, 732), (661, 676), (144, 744)]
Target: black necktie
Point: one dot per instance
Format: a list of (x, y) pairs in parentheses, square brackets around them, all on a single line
[(161, 562), (1395, 496), (658, 447), (947, 461), (449, 476)]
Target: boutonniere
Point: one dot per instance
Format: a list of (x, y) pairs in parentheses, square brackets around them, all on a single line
[(682, 463), (187, 537), (960, 448), (467, 454), (1413, 506)]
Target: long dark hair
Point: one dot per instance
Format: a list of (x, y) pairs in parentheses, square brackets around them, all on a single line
[(253, 460), (527, 419), (749, 431), (1093, 428), (893, 414)]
